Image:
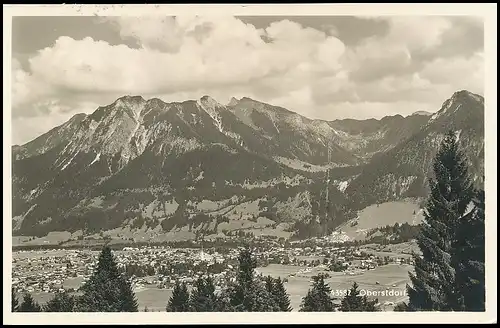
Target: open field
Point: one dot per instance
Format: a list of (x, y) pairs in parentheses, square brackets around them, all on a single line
[(154, 298), (375, 216), (390, 277), (402, 250)]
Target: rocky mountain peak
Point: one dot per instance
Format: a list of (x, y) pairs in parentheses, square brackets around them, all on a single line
[(135, 104), (76, 176), (131, 99), (208, 102), (460, 100), (233, 102), (465, 94)]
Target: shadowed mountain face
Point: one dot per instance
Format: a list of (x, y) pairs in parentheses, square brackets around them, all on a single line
[(403, 171), (203, 167)]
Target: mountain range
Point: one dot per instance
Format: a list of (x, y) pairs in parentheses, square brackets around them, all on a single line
[(176, 170)]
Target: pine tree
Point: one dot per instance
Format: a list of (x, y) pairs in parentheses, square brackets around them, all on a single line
[(224, 301), (29, 304), (433, 283), (369, 305), (276, 288), (269, 284), (240, 292), (260, 299), (15, 302), (248, 294), (128, 299), (107, 290), (179, 301), (354, 302), (61, 302), (318, 298), (203, 298), (468, 258)]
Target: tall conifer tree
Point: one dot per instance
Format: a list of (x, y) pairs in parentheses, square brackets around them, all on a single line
[(179, 301), (107, 290), (318, 298), (276, 288), (203, 297), (468, 258), (433, 283), (249, 294), (354, 302), (61, 302)]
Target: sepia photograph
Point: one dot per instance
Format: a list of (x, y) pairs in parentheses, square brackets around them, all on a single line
[(311, 160)]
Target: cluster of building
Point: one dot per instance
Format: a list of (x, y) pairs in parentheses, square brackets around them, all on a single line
[(47, 271), (162, 266)]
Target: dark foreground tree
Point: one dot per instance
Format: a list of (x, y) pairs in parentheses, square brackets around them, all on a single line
[(29, 304), (354, 302), (269, 284), (107, 290), (179, 301), (61, 302), (318, 298), (276, 288), (249, 294), (433, 283), (468, 258), (14, 301), (224, 301), (203, 297)]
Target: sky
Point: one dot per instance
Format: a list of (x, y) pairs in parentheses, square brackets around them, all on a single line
[(322, 67)]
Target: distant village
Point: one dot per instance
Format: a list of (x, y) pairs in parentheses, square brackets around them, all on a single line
[(160, 266)]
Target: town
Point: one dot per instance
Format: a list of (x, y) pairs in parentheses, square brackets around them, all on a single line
[(52, 270)]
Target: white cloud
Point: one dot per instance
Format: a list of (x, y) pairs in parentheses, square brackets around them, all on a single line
[(303, 69), (151, 32), (461, 73), (233, 53)]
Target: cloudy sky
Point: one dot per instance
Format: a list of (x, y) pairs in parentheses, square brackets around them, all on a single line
[(322, 67)]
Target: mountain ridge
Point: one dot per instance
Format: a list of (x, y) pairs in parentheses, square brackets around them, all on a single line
[(199, 166), (234, 101)]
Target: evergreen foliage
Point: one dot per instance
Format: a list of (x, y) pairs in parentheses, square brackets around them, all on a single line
[(61, 302), (433, 283), (248, 294), (318, 298), (468, 258), (179, 301), (107, 290), (14, 301), (203, 297), (354, 302), (276, 288), (29, 304)]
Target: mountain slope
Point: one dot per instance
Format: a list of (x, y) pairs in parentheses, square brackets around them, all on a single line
[(404, 170), (370, 137), (136, 153)]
